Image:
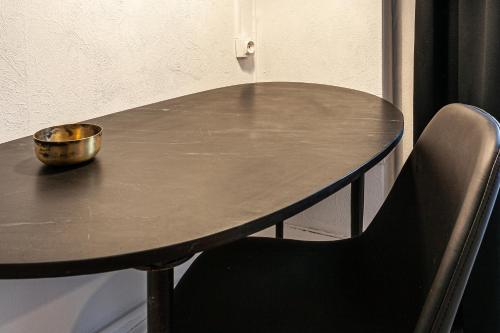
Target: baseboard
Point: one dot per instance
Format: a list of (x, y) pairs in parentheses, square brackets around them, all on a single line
[(133, 321), (316, 231)]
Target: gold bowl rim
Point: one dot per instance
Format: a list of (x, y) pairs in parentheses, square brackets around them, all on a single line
[(99, 132)]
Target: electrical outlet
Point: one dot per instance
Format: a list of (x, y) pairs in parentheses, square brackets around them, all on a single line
[(244, 47)]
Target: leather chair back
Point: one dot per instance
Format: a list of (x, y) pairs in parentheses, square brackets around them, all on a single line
[(421, 246)]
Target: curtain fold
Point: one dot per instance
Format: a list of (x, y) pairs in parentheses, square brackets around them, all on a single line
[(457, 59), (457, 56)]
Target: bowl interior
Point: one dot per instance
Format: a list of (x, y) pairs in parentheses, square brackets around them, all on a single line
[(70, 132)]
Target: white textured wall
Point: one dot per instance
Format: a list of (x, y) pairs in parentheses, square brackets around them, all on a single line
[(67, 61), (334, 42)]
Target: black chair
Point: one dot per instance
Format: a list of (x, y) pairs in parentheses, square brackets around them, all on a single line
[(406, 272)]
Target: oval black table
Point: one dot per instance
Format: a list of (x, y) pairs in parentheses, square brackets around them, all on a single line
[(186, 175)]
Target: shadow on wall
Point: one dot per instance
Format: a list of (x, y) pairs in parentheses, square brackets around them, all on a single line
[(397, 63), (20, 299), (247, 65), (71, 304), (108, 297)]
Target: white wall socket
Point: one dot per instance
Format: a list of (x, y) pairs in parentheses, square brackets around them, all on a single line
[(244, 47)]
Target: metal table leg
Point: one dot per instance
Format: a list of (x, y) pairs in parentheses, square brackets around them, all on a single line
[(279, 229), (160, 293), (357, 205), (160, 299)]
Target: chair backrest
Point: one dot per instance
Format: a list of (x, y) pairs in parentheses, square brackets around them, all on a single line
[(421, 246)]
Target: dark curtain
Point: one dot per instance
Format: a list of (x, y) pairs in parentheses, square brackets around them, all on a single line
[(457, 56), (457, 59)]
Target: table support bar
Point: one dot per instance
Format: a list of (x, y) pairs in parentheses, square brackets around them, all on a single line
[(160, 299), (357, 205), (279, 230)]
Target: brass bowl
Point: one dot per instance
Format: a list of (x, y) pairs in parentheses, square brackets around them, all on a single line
[(67, 144)]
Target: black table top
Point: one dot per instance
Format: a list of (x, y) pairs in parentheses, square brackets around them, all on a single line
[(187, 174)]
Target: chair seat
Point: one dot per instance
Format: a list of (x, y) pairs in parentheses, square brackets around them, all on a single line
[(279, 285)]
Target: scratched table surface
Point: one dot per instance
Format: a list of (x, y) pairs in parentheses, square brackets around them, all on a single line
[(187, 174)]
